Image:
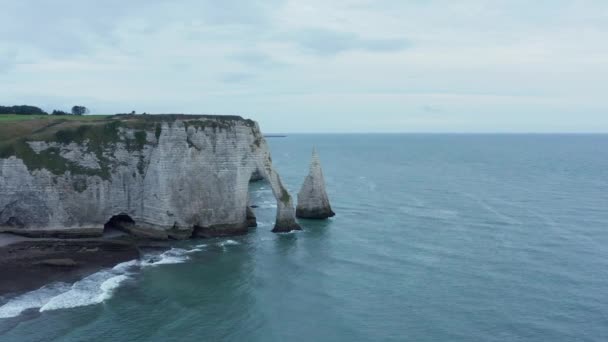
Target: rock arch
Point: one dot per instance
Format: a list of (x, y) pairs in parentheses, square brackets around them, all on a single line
[(285, 218)]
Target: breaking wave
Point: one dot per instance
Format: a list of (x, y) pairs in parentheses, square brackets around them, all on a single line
[(228, 243), (172, 256), (95, 288)]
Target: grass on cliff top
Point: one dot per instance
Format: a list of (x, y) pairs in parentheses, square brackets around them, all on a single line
[(14, 118), (20, 126), (44, 127)]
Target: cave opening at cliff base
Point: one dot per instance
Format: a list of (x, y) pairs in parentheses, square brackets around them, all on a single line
[(118, 224)]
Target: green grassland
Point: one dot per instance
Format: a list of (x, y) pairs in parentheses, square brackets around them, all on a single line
[(14, 117), (51, 127), (16, 126)]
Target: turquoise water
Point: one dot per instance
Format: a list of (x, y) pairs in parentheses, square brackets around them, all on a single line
[(436, 238)]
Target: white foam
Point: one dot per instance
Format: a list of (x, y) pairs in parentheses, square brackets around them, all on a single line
[(172, 256), (126, 266), (94, 289), (108, 286), (228, 243), (292, 232), (194, 250), (32, 300)]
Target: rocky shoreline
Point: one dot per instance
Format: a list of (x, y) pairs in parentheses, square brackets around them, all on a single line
[(30, 263)]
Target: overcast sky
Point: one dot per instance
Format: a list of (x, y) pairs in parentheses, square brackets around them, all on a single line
[(317, 65)]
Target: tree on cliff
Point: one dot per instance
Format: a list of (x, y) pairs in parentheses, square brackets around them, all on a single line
[(22, 110), (79, 110)]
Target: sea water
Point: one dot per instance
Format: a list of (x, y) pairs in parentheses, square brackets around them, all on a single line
[(436, 238)]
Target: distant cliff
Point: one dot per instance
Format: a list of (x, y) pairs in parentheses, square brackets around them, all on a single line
[(157, 176)]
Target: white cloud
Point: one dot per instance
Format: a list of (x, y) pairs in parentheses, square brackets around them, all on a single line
[(487, 65)]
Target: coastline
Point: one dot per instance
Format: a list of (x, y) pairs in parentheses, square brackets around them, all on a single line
[(31, 263)]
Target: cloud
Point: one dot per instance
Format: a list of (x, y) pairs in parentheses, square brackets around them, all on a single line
[(61, 28), (431, 109), (235, 12), (64, 28), (236, 77), (508, 64), (256, 60), (7, 60), (329, 42)]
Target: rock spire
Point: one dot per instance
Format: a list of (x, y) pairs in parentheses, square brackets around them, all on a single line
[(313, 202)]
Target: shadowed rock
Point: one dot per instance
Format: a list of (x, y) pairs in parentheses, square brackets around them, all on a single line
[(251, 219), (29, 263), (256, 176), (313, 202)]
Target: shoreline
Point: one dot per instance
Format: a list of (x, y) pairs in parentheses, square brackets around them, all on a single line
[(35, 262), (32, 263), (40, 280)]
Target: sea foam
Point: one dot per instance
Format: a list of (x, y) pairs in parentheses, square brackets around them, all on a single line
[(93, 289), (228, 243), (32, 300)]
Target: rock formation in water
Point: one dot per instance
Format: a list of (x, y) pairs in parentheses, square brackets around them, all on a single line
[(313, 202), (155, 176)]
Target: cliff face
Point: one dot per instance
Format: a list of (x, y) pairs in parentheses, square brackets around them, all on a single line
[(313, 202), (158, 176)]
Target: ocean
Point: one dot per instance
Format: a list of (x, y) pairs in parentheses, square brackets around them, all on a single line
[(436, 238)]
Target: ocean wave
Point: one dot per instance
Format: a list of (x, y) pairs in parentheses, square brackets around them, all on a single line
[(194, 250), (291, 232), (432, 213), (32, 300), (127, 266), (267, 205), (93, 289), (228, 243), (172, 256)]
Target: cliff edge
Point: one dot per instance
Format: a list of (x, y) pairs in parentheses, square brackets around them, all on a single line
[(155, 176)]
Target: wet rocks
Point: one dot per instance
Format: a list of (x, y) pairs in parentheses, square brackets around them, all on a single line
[(28, 263)]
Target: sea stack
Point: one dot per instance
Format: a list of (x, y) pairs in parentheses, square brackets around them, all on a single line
[(313, 202)]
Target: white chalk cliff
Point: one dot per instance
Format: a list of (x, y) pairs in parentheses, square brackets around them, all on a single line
[(313, 202), (162, 177)]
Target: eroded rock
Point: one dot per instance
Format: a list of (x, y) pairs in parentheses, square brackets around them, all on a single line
[(173, 176), (313, 202)]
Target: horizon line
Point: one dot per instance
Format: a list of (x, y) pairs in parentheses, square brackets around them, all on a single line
[(448, 132)]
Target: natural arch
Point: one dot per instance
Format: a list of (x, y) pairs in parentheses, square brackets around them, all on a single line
[(285, 219)]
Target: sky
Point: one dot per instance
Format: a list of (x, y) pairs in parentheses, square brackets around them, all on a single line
[(317, 65)]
